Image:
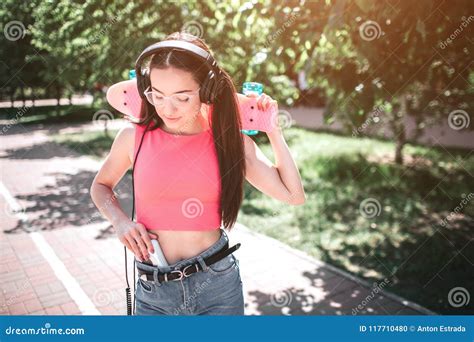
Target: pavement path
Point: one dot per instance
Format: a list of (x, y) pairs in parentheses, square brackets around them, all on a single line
[(58, 256)]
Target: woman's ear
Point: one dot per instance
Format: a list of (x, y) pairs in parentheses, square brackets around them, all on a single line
[(205, 108)]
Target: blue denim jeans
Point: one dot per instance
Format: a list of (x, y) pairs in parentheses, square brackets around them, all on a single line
[(216, 290)]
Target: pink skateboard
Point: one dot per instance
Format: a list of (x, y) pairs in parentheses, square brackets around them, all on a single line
[(124, 97)]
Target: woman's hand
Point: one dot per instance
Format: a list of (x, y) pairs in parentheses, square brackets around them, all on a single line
[(136, 238), (264, 101)]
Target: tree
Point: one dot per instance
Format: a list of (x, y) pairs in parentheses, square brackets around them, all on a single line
[(398, 58), (291, 45), (19, 65), (89, 44)]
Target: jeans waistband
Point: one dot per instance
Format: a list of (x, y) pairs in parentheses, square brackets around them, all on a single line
[(180, 264)]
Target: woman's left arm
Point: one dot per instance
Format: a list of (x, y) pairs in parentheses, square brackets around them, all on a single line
[(281, 181)]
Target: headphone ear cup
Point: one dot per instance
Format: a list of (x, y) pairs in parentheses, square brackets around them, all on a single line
[(211, 86), (206, 89), (143, 81)]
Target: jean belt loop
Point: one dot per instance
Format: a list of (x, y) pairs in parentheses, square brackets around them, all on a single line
[(155, 277), (202, 263)]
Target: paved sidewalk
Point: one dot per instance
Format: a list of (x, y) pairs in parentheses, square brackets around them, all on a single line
[(59, 257)]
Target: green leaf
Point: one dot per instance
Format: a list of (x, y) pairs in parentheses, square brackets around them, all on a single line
[(421, 28), (365, 5)]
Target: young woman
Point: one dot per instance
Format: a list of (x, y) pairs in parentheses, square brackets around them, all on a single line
[(188, 181)]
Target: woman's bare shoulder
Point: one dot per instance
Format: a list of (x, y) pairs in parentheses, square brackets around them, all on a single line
[(126, 134), (125, 139), (127, 131)]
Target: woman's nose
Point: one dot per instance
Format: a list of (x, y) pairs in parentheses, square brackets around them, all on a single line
[(168, 107)]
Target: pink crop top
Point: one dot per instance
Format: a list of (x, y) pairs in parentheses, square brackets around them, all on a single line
[(177, 181)]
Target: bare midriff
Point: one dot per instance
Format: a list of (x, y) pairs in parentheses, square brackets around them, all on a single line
[(180, 245)]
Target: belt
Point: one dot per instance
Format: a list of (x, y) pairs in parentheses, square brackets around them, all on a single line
[(186, 271)]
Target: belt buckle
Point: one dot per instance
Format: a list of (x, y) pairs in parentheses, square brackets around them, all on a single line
[(184, 271)]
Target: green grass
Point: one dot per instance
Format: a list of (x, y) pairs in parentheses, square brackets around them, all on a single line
[(49, 114), (405, 242), (94, 143)]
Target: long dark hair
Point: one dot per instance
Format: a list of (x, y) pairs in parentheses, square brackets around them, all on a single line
[(225, 123)]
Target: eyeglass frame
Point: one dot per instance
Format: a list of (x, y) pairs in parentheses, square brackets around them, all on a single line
[(190, 94)]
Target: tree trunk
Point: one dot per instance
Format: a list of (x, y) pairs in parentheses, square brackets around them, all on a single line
[(12, 97), (58, 97), (398, 149), (23, 95), (400, 138), (106, 132)]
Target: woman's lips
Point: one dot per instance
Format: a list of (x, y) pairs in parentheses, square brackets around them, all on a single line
[(172, 119)]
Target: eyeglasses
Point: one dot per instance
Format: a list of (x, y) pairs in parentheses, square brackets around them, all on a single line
[(178, 100)]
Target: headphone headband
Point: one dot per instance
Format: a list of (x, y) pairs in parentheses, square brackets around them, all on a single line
[(208, 89)]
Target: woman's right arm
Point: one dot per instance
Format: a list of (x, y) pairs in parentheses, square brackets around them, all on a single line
[(133, 235)]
